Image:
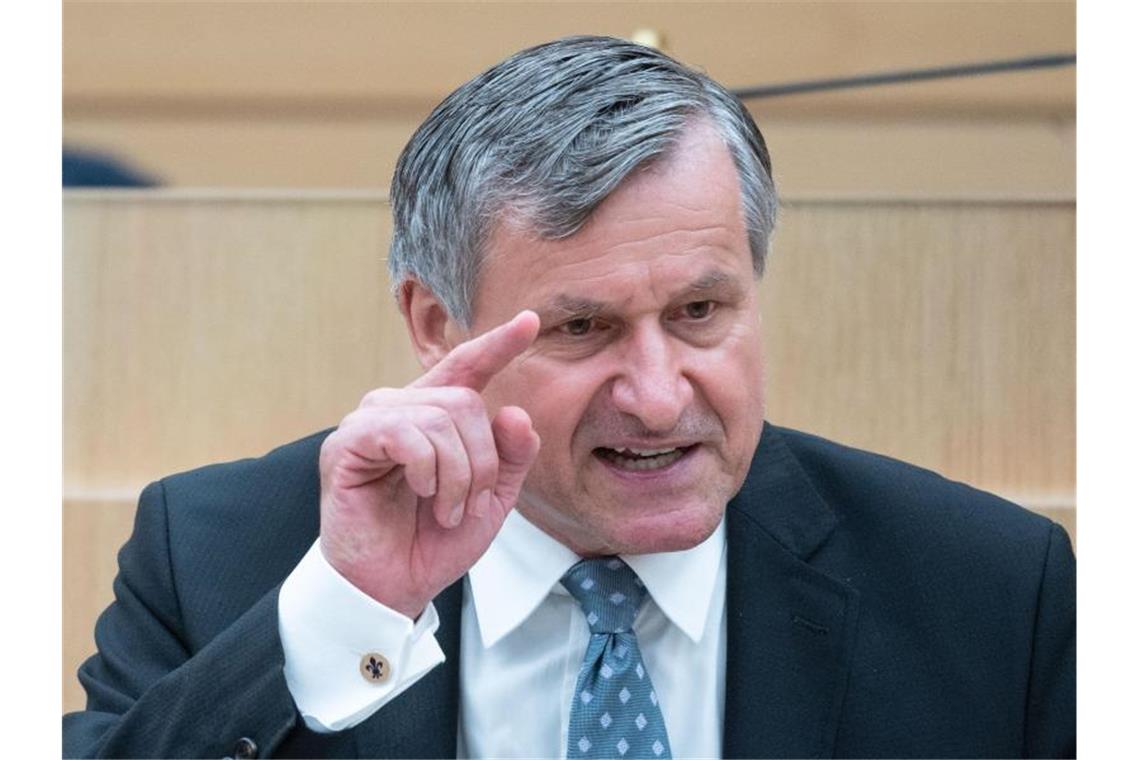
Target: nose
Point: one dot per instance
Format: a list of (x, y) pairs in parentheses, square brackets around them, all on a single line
[(651, 383)]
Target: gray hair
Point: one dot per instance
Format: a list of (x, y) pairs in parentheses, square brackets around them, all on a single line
[(546, 136)]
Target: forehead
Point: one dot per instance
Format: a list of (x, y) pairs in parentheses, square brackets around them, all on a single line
[(670, 227)]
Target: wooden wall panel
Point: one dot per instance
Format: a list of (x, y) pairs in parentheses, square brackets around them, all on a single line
[(943, 334), (932, 159), (201, 329), (318, 58), (93, 531)]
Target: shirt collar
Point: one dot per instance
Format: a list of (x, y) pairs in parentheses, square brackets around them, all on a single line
[(530, 563), (682, 583)]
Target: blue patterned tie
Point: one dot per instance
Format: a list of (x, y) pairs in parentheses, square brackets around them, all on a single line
[(615, 711)]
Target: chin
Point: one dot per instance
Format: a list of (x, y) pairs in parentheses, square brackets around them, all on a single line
[(674, 531), (608, 526)]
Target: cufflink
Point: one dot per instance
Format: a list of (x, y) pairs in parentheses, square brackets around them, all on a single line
[(374, 668)]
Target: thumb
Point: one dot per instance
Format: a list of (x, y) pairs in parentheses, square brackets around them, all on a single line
[(517, 444)]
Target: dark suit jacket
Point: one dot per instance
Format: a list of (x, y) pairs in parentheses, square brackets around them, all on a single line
[(874, 609)]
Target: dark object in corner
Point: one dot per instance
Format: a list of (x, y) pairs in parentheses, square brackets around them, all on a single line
[(82, 168)]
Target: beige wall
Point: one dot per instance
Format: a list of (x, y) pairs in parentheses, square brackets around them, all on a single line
[(326, 94), (391, 55)]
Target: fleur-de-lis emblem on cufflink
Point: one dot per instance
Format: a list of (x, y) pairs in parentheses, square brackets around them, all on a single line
[(374, 667)]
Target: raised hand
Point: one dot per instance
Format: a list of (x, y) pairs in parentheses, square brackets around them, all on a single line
[(416, 482)]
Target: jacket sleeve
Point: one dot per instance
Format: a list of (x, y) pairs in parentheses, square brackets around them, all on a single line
[(148, 694), (1051, 705)]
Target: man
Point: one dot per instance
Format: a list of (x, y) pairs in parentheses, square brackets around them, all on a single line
[(577, 236)]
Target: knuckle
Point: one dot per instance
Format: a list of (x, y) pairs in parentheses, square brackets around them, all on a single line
[(467, 399), (435, 420), (353, 424), (377, 397), (345, 422), (336, 441), (420, 454)]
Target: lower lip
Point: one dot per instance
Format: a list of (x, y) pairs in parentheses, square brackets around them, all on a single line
[(670, 471)]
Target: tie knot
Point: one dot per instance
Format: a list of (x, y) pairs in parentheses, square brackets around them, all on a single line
[(608, 590)]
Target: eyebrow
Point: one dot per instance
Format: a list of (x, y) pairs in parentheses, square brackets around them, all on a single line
[(563, 307), (711, 282)]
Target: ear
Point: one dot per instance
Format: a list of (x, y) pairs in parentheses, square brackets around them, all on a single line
[(432, 330)]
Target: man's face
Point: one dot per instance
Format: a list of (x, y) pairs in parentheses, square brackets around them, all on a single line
[(646, 380)]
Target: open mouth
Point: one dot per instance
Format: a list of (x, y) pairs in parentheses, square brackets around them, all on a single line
[(640, 460)]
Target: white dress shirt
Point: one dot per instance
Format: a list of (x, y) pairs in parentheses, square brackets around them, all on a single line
[(523, 639)]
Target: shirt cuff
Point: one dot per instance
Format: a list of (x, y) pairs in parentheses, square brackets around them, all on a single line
[(327, 627)]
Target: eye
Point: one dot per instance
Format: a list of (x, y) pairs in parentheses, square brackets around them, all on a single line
[(698, 309), (579, 326)]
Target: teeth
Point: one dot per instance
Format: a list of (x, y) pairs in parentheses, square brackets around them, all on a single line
[(636, 459)]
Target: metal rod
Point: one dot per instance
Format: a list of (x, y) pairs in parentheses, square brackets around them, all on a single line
[(909, 75)]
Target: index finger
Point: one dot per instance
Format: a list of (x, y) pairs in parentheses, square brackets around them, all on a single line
[(473, 363)]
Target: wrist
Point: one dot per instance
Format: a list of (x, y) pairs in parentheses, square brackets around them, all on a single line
[(409, 605)]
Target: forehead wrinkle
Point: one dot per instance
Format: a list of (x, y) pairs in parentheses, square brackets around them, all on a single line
[(707, 235)]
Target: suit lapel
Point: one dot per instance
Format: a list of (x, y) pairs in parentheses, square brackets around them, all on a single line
[(422, 722), (790, 627)]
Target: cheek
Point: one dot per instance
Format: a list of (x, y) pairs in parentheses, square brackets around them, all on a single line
[(732, 380), (556, 395)]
